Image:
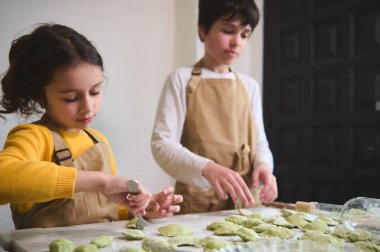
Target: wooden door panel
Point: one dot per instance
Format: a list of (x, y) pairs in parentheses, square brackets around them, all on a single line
[(322, 97)]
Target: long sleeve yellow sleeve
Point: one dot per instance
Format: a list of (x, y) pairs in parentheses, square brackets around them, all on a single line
[(27, 171)]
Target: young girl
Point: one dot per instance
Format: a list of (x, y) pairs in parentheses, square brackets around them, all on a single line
[(57, 171), (209, 131)]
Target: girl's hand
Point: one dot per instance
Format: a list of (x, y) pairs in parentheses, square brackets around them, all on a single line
[(138, 200), (262, 174), (225, 180), (116, 190), (163, 204)]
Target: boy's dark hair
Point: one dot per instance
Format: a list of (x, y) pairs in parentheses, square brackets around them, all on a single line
[(34, 58), (212, 10)]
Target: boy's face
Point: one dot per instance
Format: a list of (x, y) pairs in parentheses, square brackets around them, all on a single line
[(225, 40), (73, 97)]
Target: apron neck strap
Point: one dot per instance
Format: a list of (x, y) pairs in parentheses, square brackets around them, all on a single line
[(62, 154), (197, 70)]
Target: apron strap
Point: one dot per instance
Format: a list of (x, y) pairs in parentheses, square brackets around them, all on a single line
[(62, 154)]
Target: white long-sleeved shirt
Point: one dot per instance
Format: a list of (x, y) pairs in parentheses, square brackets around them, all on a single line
[(175, 159)]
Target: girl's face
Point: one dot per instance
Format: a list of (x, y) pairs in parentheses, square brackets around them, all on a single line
[(73, 98), (224, 42)]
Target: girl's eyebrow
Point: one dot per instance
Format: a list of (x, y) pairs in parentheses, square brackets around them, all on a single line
[(74, 90)]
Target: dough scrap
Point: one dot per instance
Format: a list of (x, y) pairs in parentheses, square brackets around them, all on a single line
[(132, 223)]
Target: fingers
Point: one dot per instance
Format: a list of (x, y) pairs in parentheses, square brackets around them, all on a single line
[(255, 178), (272, 192), (224, 180), (268, 182), (235, 186), (177, 199)]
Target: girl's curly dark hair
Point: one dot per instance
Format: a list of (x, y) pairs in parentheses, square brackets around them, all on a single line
[(34, 58)]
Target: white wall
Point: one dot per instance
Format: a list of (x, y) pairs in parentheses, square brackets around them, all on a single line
[(141, 41)]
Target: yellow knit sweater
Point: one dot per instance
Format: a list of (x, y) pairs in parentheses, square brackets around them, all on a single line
[(28, 173)]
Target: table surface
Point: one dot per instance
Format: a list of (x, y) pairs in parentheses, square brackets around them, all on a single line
[(38, 239)]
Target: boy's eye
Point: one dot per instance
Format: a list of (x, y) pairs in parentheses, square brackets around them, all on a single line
[(228, 31)]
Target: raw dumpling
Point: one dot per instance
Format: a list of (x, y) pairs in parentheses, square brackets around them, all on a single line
[(171, 230), (215, 244), (367, 246), (329, 221), (279, 221), (102, 241), (134, 235), (218, 224), (154, 244), (263, 227), (318, 236), (296, 220), (317, 225), (279, 232), (61, 245), (226, 230), (252, 222), (247, 234), (182, 240), (237, 219), (86, 248)]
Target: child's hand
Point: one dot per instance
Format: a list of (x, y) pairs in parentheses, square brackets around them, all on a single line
[(225, 180), (262, 174), (138, 200), (116, 190), (163, 204)]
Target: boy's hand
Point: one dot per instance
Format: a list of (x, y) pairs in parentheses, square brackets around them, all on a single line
[(163, 204), (262, 174), (225, 180)]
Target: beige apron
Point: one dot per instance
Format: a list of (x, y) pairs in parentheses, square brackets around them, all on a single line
[(86, 207), (219, 126)]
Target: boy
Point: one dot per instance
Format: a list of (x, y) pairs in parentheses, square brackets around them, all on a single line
[(209, 132)]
